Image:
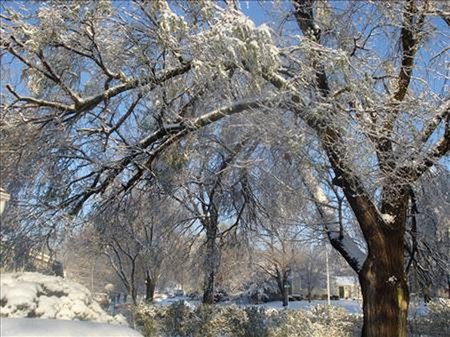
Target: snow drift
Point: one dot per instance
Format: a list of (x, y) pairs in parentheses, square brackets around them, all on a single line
[(27, 327), (34, 295)]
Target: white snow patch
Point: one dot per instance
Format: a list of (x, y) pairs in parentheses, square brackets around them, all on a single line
[(43, 296), (31, 327), (392, 280), (388, 218), (352, 307), (346, 280)]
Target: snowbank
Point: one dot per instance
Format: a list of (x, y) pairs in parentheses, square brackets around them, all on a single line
[(28, 327), (34, 295)]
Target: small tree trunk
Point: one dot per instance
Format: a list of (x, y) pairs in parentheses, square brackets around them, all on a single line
[(211, 264), (134, 295), (150, 285), (285, 293), (208, 293), (448, 285)]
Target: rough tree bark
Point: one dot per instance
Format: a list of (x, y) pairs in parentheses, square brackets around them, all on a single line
[(384, 281)]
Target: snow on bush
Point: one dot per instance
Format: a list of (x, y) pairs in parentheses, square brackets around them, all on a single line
[(43, 296), (251, 321), (261, 290), (321, 321), (436, 321), (182, 320)]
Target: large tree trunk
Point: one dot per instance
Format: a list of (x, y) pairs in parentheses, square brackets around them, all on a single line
[(385, 301), (383, 278), (283, 285)]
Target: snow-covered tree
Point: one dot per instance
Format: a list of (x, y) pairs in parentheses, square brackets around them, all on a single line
[(107, 88), (138, 240), (215, 194)]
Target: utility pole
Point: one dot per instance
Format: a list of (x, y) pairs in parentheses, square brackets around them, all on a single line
[(328, 275)]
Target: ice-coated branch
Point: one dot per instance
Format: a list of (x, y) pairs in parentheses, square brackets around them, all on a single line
[(439, 150), (348, 248), (40, 102), (441, 114), (339, 239), (161, 140)]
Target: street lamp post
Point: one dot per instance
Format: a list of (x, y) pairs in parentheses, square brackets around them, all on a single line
[(328, 275)]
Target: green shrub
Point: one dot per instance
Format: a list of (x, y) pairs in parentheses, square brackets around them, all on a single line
[(257, 323), (150, 319), (178, 320)]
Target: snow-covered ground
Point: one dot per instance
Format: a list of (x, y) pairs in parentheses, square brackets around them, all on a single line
[(164, 300), (353, 307), (32, 327)]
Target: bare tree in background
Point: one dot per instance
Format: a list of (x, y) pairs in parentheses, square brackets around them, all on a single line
[(138, 237), (216, 195), (277, 256)]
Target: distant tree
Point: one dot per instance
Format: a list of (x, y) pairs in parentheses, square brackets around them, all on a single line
[(312, 269), (277, 251), (138, 238), (216, 196), (84, 262)]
